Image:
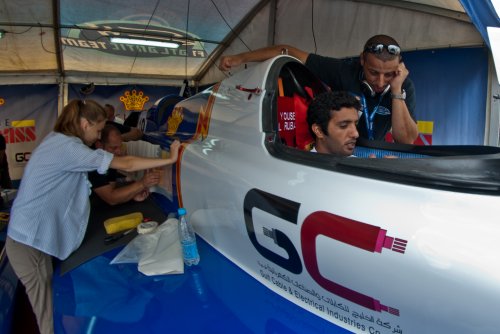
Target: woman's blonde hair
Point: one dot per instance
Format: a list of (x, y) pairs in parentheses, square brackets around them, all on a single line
[(68, 122)]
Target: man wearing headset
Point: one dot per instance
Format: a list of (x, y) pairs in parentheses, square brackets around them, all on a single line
[(379, 78)]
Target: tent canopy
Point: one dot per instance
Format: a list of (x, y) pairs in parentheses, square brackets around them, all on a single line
[(70, 41)]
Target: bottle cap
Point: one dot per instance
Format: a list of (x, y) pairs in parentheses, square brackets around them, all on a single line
[(181, 211)]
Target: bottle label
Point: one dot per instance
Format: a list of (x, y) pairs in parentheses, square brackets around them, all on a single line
[(189, 249)]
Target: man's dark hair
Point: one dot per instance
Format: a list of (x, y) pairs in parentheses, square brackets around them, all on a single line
[(385, 40), (323, 106), (106, 131)]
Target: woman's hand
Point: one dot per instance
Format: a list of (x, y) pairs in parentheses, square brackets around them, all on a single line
[(174, 150)]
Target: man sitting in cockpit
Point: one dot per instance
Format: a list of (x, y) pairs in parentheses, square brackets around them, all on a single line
[(332, 118)]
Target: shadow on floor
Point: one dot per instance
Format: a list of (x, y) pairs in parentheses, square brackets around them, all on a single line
[(23, 320)]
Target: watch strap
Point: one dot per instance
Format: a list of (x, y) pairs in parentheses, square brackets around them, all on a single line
[(401, 96)]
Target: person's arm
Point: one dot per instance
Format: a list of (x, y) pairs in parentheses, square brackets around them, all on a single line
[(133, 134), (113, 194), (229, 61), (132, 164), (141, 196), (404, 128)]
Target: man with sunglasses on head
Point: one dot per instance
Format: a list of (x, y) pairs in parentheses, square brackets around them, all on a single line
[(379, 78)]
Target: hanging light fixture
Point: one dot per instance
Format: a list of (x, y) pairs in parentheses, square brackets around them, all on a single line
[(146, 42)]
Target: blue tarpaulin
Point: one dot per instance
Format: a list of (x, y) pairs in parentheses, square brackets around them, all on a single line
[(483, 14)]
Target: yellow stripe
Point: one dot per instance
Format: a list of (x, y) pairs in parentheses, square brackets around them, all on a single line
[(23, 123), (425, 127)]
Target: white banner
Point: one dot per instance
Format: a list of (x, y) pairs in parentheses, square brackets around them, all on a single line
[(27, 114)]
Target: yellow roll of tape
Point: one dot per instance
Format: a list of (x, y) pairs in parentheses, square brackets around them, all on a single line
[(122, 223)]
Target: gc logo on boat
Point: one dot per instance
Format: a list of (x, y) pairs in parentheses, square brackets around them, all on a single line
[(320, 223)]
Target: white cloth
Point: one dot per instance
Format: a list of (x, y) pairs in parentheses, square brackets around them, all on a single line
[(155, 253)]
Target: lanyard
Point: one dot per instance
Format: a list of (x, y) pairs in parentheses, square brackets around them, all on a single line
[(369, 117)]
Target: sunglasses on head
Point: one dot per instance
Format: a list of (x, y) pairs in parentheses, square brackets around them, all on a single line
[(379, 48)]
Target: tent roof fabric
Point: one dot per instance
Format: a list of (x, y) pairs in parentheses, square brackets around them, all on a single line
[(70, 40)]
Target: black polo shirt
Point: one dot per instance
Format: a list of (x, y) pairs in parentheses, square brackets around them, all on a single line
[(346, 74)]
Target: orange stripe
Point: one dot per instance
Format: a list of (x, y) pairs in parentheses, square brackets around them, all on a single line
[(178, 175), (280, 87), (201, 130), (205, 114)]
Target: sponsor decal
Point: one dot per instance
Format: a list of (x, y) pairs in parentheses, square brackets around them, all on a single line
[(20, 132), (425, 130), (205, 114), (381, 110), (134, 100), (21, 137), (97, 35), (174, 120), (338, 301)]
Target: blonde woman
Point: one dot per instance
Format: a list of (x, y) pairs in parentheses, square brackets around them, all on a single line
[(50, 213)]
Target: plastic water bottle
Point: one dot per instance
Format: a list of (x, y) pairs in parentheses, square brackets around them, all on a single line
[(188, 240)]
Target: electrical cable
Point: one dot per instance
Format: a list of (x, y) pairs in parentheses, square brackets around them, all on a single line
[(145, 29), (232, 31), (41, 42), (20, 33), (186, 43), (230, 28), (312, 27)]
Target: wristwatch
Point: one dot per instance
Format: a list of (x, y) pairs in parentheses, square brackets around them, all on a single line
[(401, 96)]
